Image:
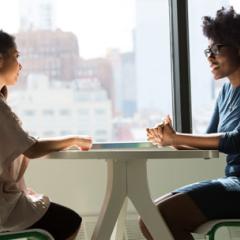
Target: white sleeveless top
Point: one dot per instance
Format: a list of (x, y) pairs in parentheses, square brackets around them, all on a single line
[(19, 207)]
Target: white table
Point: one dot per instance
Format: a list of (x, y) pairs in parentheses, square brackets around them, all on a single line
[(127, 177)]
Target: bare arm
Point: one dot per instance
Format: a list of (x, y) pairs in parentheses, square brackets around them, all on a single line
[(207, 141), (165, 135), (183, 147), (45, 146)]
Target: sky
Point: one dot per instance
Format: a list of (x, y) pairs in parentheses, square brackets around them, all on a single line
[(98, 24), (236, 4)]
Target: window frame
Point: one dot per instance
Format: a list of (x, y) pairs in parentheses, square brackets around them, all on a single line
[(181, 82)]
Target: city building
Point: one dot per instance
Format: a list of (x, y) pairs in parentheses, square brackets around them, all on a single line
[(54, 110), (36, 15), (101, 69), (129, 99), (125, 85), (53, 53)]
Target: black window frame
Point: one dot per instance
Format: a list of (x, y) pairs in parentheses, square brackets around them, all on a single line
[(180, 65)]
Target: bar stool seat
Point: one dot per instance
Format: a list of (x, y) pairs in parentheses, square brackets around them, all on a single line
[(33, 234), (208, 230)]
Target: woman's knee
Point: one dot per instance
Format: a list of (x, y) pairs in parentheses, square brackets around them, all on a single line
[(182, 212), (181, 215)]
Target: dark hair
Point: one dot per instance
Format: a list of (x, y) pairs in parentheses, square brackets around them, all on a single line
[(7, 42), (224, 28)]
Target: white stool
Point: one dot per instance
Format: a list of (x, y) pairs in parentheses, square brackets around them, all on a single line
[(208, 230)]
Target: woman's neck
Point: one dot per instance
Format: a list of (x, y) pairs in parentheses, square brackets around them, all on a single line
[(234, 78)]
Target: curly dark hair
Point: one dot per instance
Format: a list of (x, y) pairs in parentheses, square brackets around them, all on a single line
[(7, 42), (224, 28)]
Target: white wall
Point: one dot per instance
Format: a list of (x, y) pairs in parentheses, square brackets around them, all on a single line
[(80, 184)]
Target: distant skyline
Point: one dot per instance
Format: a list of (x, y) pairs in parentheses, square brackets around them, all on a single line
[(99, 25)]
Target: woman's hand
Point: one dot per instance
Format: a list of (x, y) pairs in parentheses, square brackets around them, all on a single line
[(154, 135), (163, 134), (83, 142), (43, 147)]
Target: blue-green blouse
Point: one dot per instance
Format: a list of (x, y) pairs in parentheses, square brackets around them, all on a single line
[(226, 119)]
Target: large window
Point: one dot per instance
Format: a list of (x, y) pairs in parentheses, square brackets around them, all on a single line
[(204, 88), (100, 68)]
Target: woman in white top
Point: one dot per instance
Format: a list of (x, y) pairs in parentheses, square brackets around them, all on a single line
[(21, 208)]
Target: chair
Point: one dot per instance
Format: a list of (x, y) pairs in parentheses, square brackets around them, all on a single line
[(33, 234), (209, 229)]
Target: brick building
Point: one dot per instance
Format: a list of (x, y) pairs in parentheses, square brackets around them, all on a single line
[(53, 53)]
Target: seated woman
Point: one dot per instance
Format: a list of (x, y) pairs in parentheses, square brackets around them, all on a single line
[(20, 207), (186, 208)]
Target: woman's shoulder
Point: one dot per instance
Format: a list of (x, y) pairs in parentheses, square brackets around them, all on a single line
[(228, 89), (226, 86), (6, 111), (225, 90), (3, 104)]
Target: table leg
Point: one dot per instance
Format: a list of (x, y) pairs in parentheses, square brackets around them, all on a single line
[(138, 192), (120, 227), (116, 192)]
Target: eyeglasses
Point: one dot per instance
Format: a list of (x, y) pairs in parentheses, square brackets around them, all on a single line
[(215, 49)]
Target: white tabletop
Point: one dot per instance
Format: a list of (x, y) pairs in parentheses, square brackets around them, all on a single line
[(137, 150)]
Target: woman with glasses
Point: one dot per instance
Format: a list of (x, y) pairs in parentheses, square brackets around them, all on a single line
[(186, 208)]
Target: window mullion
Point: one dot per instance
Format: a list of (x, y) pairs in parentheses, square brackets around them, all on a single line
[(180, 65)]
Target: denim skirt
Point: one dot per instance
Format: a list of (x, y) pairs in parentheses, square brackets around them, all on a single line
[(218, 198)]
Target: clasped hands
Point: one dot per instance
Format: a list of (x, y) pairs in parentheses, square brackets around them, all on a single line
[(163, 134)]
